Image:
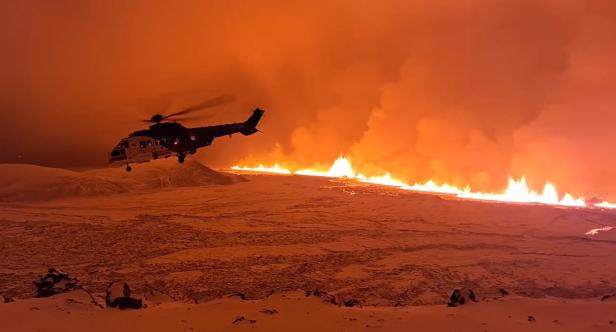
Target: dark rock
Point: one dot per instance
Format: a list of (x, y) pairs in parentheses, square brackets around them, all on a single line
[(118, 295), (350, 302), (243, 320), (7, 299), (503, 292), (334, 299), (269, 311), (461, 297), (606, 297), (55, 281), (531, 319), (325, 296), (240, 296)]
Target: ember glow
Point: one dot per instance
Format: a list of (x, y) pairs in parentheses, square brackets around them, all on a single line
[(517, 191)]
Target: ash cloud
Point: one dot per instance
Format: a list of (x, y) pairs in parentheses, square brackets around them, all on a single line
[(464, 92)]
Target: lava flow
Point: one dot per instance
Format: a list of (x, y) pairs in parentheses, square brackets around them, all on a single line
[(517, 191)]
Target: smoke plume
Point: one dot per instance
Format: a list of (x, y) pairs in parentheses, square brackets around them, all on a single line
[(465, 92)]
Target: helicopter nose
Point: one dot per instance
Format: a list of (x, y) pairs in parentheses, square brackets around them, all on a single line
[(116, 155)]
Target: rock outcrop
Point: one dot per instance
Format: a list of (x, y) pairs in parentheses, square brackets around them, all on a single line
[(55, 281), (462, 296), (119, 295)]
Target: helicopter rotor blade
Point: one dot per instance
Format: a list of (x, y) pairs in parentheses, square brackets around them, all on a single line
[(189, 118), (220, 100)]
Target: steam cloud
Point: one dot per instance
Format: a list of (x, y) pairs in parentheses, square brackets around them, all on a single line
[(466, 92)]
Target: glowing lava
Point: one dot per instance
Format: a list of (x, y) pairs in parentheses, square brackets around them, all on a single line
[(606, 205), (517, 190), (262, 169), (340, 169)]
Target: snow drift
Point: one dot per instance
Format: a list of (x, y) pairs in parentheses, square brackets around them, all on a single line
[(23, 182)]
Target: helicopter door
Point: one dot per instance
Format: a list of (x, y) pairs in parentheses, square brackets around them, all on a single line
[(146, 149)]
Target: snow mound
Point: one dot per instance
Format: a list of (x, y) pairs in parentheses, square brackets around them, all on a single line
[(166, 173), (22, 182)]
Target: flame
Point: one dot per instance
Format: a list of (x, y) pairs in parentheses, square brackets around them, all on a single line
[(517, 191), (606, 205), (262, 169), (340, 169)]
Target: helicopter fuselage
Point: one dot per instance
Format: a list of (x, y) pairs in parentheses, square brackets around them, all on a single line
[(167, 139)]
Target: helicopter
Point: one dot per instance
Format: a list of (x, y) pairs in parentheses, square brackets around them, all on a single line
[(167, 138)]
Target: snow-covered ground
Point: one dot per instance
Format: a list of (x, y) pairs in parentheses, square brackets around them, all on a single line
[(200, 235)]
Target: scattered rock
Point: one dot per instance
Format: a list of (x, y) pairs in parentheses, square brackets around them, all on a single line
[(350, 302), (243, 320), (325, 296), (503, 292), (7, 299), (612, 322), (240, 296), (556, 321), (334, 299), (531, 319), (461, 297), (269, 311), (55, 281), (118, 295), (606, 297)]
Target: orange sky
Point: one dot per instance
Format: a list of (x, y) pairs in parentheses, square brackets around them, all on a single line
[(460, 91)]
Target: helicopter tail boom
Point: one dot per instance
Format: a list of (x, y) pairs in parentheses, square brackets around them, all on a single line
[(250, 125)]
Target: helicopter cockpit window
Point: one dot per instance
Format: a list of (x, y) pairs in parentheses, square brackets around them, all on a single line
[(117, 152), (145, 144)]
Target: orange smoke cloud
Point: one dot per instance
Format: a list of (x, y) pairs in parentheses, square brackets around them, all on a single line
[(466, 93)]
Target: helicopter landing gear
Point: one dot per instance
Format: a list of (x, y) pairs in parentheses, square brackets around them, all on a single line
[(181, 158), (128, 168)]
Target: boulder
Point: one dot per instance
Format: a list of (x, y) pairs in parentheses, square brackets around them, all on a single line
[(240, 296), (118, 295), (325, 296), (268, 311), (55, 281), (243, 320), (337, 299), (462, 296), (349, 302)]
